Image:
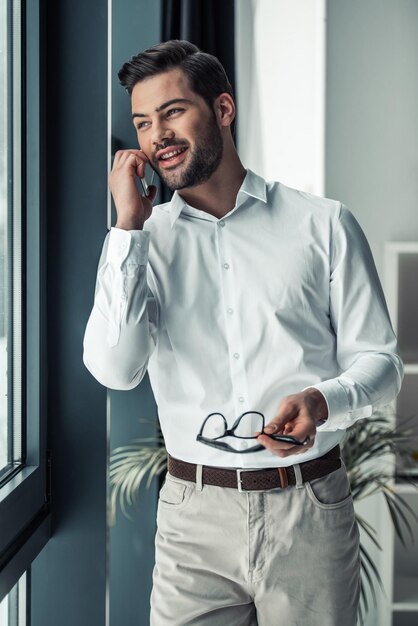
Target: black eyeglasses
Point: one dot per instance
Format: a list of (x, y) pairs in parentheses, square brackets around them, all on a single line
[(215, 427)]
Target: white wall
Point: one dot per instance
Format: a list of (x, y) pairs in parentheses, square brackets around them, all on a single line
[(371, 160), (280, 78), (372, 116)]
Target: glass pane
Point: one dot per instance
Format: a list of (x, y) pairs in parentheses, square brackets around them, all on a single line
[(13, 606), (3, 238), (4, 611), (10, 234)]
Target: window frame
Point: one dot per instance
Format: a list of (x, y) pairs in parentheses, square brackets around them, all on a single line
[(25, 497)]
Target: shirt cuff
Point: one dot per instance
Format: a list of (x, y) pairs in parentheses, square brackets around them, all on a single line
[(339, 413), (127, 246)]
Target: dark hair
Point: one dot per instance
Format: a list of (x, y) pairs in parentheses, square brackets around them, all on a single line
[(204, 71)]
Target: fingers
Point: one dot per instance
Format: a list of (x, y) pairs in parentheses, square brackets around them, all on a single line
[(137, 159), (294, 412), (293, 418), (132, 208), (273, 428), (122, 154), (286, 449), (289, 409)]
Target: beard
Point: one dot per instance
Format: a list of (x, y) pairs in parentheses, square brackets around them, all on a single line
[(204, 159)]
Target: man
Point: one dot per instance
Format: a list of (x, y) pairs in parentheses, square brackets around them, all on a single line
[(239, 297)]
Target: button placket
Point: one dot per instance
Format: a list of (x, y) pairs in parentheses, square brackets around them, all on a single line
[(233, 324)]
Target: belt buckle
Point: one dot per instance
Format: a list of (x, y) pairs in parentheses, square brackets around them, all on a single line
[(239, 481), (283, 479)]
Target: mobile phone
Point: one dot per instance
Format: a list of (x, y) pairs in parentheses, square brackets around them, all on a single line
[(144, 186), (288, 439), (148, 176)]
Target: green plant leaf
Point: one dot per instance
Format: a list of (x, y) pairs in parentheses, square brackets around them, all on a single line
[(370, 565), (395, 520), (396, 501), (369, 530), (364, 605)]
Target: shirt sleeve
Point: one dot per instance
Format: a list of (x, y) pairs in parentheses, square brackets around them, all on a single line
[(121, 332), (367, 351)]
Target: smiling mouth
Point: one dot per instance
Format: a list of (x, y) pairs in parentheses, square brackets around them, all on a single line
[(172, 157)]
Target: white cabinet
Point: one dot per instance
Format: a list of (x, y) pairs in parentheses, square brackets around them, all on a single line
[(400, 570)]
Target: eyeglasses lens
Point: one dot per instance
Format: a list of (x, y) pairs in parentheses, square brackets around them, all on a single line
[(248, 425), (214, 427)]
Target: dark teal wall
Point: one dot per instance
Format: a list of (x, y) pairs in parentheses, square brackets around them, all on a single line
[(135, 26), (70, 576)]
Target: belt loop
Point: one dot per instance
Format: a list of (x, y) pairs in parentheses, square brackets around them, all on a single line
[(298, 476), (283, 477), (199, 484)]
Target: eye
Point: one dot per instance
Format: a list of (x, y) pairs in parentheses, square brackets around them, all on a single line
[(171, 112), (141, 125)]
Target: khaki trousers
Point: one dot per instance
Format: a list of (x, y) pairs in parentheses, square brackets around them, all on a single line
[(269, 558)]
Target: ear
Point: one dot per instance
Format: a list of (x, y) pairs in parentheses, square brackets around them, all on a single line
[(224, 107)]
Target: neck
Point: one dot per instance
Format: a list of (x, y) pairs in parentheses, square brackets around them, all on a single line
[(218, 195)]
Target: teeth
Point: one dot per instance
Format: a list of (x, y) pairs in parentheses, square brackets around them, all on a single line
[(168, 155)]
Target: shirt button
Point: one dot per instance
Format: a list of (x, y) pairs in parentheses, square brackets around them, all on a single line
[(226, 266), (124, 296), (236, 355), (138, 245), (221, 224), (230, 311), (241, 399), (122, 246)]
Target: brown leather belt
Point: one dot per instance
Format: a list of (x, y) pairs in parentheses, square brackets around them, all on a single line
[(257, 480)]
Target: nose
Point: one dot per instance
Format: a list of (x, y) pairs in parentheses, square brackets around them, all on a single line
[(160, 132)]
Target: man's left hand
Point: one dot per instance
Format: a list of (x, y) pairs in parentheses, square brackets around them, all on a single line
[(298, 415)]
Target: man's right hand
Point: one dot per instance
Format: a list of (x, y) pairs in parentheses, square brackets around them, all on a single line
[(132, 208)]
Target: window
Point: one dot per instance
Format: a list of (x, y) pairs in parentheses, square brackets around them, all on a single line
[(13, 606), (10, 238), (24, 507), (3, 240)]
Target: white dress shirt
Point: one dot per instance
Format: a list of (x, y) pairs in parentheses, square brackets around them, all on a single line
[(233, 314)]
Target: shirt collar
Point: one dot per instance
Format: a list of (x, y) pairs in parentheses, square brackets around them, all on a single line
[(253, 185)]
